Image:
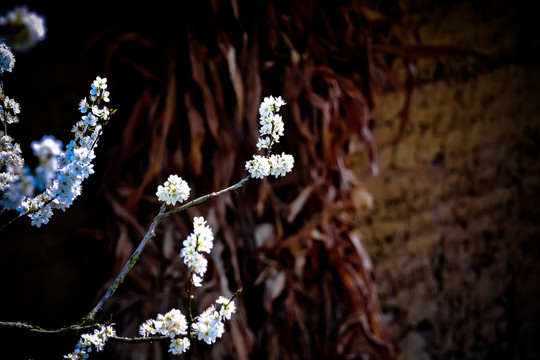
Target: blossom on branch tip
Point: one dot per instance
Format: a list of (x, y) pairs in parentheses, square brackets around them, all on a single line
[(228, 307), (280, 164), (174, 190), (209, 325), (272, 128), (271, 122)]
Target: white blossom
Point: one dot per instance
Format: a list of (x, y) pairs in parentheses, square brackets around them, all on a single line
[(228, 307), (7, 60), (88, 341), (174, 190), (271, 130), (200, 240), (60, 174), (171, 324), (179, 345), (208, 325), (258, 167)]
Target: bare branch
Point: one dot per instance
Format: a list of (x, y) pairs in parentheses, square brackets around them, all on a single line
[(34, 329)]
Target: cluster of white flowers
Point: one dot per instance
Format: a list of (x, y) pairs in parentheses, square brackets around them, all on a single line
[(272, 126), (64, 183), (14, 180), (9, 109), (208, 326), (200, 240), (60, 174), (172, 324), (87, 341), (23, 28), (7, 60), (174, 190), (10, 158), (271, 130)]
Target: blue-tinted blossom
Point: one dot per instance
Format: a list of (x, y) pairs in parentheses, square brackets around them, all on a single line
[(7, 60), (60, 173)]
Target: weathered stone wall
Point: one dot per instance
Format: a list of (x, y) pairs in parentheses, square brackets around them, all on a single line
[(455, 231)]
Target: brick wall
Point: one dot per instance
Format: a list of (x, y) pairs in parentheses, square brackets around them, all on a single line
[(454, 233)]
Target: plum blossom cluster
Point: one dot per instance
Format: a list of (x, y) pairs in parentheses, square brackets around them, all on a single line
[(10, 158), (271, 130), (89, 341), (208, 326), (199, 241), (7, 60), (172, 324), (22, 28), (60, 174), (9, 108), (64, 172), (174, 190)]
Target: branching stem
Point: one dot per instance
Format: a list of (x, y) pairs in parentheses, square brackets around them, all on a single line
[(90, 318), (88, 323)]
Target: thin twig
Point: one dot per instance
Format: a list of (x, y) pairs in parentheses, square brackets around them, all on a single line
[(205, 198), (139, 339), (19, 216), (127, 267), (73, 329)]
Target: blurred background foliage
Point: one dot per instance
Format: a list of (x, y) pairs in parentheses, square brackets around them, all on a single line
[(188, 82)]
